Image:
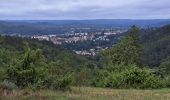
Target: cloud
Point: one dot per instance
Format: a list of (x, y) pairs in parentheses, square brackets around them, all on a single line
[(84, 9)]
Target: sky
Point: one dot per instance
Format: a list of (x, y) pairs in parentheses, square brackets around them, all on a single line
[(83, 9)]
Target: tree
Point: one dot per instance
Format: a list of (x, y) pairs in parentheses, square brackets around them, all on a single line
[(29, 70), (164, 68), (128, 51), (123, 70)]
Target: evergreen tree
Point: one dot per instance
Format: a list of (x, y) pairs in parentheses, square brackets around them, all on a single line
[(29, 70), (128, 51)]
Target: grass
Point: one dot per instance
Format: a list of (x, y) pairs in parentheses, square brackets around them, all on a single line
[(87, 93)]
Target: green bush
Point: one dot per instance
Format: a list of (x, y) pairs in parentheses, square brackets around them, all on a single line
[(133, 77), (167, 81), (2, 74), (59, 82), (28, 70), (141, 78), (100, 78), (6, 85)]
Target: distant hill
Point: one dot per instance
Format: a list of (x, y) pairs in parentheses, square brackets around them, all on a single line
[(156, 45), (98, 22), (27, 27)]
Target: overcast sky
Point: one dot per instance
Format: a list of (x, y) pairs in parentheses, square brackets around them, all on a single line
[(84, 9)]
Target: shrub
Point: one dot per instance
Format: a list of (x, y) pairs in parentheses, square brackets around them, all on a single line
[(167, 81), (141, 78), (59, 82), (133, 77), (2, 74), (6, 85), (29, 70), (100, 78)]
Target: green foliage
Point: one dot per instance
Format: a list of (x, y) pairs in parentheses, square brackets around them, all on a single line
[(83, 77), (128, 51), (59, 82), (52, 67), (2, 74), (165, 68), (141, 78), (100, 78), (133, 77), (29, 69), (5, 85), (5, 57), (125, 53), (63, 83), (156, 45), (46, 67), (122, 66)]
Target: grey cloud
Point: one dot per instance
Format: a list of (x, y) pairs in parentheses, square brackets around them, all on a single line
[(84, 9)]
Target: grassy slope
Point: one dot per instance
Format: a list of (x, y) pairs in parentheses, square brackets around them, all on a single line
[(87, 93)]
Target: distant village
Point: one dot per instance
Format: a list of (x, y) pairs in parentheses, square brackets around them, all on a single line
[(70, 38)]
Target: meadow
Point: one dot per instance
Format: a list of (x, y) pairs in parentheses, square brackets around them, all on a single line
[(87, 93)]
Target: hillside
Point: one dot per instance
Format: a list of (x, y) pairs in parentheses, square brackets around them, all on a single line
[(156, 45), (14, 46), (156, 42), (29, 63)]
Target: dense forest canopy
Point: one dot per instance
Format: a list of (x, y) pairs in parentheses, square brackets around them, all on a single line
[(156, 44)]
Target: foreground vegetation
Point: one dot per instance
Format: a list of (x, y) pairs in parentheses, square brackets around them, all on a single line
[(87, 93), (46, 69)]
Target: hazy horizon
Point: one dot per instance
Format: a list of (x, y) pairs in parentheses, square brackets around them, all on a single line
[(78, 19)]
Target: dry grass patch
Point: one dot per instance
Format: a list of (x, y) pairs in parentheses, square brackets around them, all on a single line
[(87, 93)]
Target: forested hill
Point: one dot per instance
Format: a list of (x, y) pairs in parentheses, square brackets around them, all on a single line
[(12, 47), (156, 45), (32, 27)]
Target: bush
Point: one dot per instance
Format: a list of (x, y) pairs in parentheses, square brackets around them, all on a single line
[(62, 83), (2, 74), (100, 78), (141, 78), (5, 85), (28, 70), (133, 77), (167, 81), (59, 82)]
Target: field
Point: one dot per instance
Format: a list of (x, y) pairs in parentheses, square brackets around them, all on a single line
[(87, 93)]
